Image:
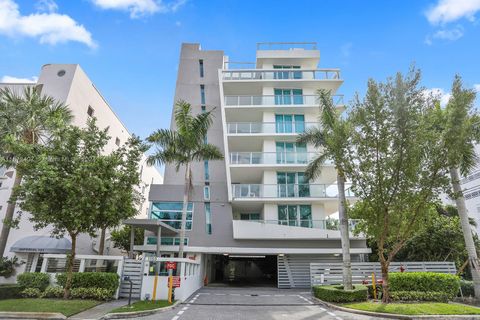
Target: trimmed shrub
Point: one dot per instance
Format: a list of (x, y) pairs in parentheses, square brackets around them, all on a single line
[(103, 280), (91, 293), (467, 288), (425, 282), (10, 291), (379, 291), (53, 292), (35, 280), (31, 293), (337, 294), (419, 296)]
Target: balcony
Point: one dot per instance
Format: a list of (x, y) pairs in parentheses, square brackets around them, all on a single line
[(272, 158), (277, 100), (292, 191), (280, 74), (294, 127)]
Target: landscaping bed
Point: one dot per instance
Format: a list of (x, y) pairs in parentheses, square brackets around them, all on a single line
[(143, 306), (65, 307), (427, 308)]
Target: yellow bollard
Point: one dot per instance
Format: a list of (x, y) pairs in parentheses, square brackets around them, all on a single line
[(170, 288), (374, 287), (155, 281)]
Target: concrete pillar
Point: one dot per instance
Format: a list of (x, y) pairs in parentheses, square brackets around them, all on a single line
[(132, 241), (157, 253)]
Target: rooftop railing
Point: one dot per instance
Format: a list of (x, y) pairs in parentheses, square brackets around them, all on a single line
[(281, 74), (293, 127), (286, 45), (305, 190), (278, 100)]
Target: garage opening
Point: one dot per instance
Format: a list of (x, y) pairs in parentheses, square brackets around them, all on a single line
[(242, 270)]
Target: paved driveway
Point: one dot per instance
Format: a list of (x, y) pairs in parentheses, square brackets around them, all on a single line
[(253, 304)]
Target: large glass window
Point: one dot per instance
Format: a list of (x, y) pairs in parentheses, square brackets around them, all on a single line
[(208, 218), (171, 213), (288, 96), (200, 64), (292, 185), (287, 74), (295, 215), (202, 94), (166, 241), (291, 152), (250, 216), (289, 123)]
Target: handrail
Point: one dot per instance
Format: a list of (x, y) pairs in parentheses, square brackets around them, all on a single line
[(302, 190), (293, 127), (278, 100), (325, 224), (280, 157), (289, 45), (281, 74)]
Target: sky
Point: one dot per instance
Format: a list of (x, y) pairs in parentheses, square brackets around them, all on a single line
[(130, 48)]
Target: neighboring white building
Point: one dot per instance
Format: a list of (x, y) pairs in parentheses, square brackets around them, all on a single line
[(69, 84)]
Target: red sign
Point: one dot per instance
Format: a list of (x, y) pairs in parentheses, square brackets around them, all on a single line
[(175, 282), (171, 265)]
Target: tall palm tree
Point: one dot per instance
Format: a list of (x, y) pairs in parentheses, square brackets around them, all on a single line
[(182, 147), (332, 138), (29, 117), (461, 132)]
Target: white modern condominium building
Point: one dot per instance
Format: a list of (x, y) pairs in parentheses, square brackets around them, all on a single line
[(254, 216), (69, 84)]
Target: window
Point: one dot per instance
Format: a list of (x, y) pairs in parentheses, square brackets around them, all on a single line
[(287, 74), (295, 215), (289, 123), (202, 94), (200, 64), (117, 141), (250, 216), (204, 109), (166, 241), (171, 213), (288, 96), (90, 111), (206, 193), (292, 185), (291, 152), (208, 218), (207, 174), (1, 184)]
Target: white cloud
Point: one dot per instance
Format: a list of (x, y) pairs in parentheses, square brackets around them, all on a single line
[(446, 34), (51, 28), (438, 93), (139, 8), (10, 79), (477, 87), (451, 10), (46, 6)]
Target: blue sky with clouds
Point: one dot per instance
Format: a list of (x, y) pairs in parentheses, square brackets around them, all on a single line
[(130, 48)]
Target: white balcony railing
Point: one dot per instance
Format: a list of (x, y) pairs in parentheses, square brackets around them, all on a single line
[(281, 74), (277, 100), (253, 158), (293, 127), (259, 191)]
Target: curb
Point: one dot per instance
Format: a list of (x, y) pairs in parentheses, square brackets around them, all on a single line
[(395, 316), (32, 315), (126, 315)]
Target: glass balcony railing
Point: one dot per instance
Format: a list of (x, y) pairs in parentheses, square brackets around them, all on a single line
[(252, 158), (277, 100), (269, 127), (305, 190), (326, 224), (281, 74)]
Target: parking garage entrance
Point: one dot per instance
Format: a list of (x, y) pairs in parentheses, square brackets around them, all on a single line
[(242, 270)]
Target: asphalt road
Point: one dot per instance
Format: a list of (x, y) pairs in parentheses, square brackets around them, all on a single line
[(253, 304)]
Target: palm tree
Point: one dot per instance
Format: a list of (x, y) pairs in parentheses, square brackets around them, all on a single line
[(182, 147), (332, 138), (28, 117), (461, 132)]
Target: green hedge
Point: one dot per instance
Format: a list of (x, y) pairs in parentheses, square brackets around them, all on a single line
[(35, 280), (31, 293), (10, 291), (425, 282), (337, 294), (91, 293), (53, 292), (467, 288), (102, 280), (419, 296)]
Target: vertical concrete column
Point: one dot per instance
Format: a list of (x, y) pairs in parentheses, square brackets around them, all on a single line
[(132, 241)]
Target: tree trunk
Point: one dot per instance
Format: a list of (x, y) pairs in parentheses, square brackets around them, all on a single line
[(8, 217), (184, 211), (101, 245), (467, 230), (70, 262), (344, 234), (385, 286)]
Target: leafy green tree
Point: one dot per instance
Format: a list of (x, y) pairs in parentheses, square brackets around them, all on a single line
[(183, 146), (26, 117), (460, 126), (118, 177), (121, 237), (333, 139), (61, 184), (396, 163)]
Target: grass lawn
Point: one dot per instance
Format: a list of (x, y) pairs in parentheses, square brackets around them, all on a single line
[(143, 305), (427, 308), (66, 307)]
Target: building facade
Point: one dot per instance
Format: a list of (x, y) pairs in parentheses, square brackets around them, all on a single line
[(253, 218), (69, 84)]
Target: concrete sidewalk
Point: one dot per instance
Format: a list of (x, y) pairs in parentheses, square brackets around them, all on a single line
[(99, 311)]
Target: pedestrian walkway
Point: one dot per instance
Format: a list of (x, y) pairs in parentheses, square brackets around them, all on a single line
[(99, 311)]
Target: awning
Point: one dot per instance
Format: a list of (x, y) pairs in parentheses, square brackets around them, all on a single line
[(42, 244)]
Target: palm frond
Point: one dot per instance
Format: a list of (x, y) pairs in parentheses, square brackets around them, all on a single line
[(314, 136), (314, 168), (207, 151)]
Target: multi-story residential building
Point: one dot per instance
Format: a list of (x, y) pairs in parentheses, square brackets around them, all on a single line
[(69, 84), (254, 216)]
